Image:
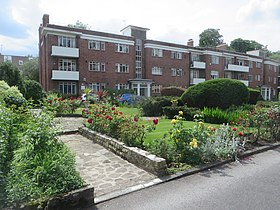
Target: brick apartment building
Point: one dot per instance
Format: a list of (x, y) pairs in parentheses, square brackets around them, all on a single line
[(16, 60), (72, 59)]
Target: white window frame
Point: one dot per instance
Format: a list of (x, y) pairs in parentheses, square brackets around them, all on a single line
[(275, 80), (251, 64), (122, 48), (157, 52), (67, 65), (176, 55), (250, 78), (20, 62), (156, 89), (96, 86), (214, 74), (96, 66), (176, 72), (96, 45), (69, 88), (122, 68), (7, 58), (156, 70), (258, 77), (122, 86), (258, 65), (65, 41), (215, 59)]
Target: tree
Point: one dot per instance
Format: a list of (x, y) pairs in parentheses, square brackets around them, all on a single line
[(80, 25), (30, 70), (210, 38), (11, 74), (274, 55), (242, 45)]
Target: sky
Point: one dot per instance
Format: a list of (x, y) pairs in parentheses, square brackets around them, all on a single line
[(170, 21)]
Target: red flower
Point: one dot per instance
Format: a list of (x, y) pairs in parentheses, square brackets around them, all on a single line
[(103, 107), (135, 119), (83, 110), (89, 120), (143, 126), (55, 99), (155, 121), (110, 118), (50, 101), (115, 112), (234, 129), (113, 108), (97, 115), (60, 99), (120, 113), (238, 123), (240, 134)]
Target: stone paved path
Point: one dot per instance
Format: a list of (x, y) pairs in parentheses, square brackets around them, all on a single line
[(105, 171)]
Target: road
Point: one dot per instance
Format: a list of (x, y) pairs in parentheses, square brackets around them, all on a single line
[(253, 183)]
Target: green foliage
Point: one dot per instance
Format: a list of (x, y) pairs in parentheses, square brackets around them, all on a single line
[(241, 45), (34, 91), (79, 25), (11, 95), (172, 91), (274, 55), (220, 93), (11, 75), (153, 106), (254, 96), (30, 69), (210, 38), (188, 112), (63, 106)]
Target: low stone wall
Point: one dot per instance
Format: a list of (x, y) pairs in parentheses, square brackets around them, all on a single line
[(138, 157), (76, 199)]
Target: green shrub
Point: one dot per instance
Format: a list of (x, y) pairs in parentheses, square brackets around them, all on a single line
[(11, 95), (254, 96), (172, 91), (188, 112), (33, 91), (220, 93)]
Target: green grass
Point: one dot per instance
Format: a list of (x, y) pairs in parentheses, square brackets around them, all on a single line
[(129, 111)]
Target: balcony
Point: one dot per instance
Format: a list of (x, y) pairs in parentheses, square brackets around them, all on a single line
[(65, 75), (195, 81), (65, 52), (232, 67), (198, 65)]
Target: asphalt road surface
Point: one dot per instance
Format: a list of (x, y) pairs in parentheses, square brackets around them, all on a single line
[(253, 183)]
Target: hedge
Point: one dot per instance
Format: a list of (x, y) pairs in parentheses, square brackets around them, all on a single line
[(172, 91)]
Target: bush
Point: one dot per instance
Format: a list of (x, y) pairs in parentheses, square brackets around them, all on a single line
[(11, 95), (33, 91), (172, 91), (153, 106), (188, 112), (254, 96), (220, 93)]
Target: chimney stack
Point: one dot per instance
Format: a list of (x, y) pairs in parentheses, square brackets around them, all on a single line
[(45, 20), (190, 43)]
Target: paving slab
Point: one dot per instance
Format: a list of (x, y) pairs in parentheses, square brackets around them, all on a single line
[(104, 170)]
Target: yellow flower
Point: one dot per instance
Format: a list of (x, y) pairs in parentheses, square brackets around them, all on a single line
[(193, 143), (181, 113), (178, 131), (173, 121), (200, 124), (208, 134)]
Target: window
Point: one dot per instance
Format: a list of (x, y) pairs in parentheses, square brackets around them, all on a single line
[(228, 60), (122, 68), (274, 69), (228, 75), (258, 65), (258, 77), (96, 45), (65, 41), (157, 52), (274, 80), (250, 78), (176, 55), (97, 86), (20, 62), (176, 72), (122, 86), (214, 74), (240, 62), (67, 65), (269, 78), (68, 88), (250, 64), (7, 58), (96, 66), (157, 70), (214, 59), (156, 89), (195, 57), (194, 74), (122, 48)]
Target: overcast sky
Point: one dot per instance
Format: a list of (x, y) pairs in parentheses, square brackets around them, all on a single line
[(171, 21)]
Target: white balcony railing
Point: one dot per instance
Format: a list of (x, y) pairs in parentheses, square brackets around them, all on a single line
[(195, 81), (198, 65), (246, 82), (65, 75), (65, 51), (232, 67)]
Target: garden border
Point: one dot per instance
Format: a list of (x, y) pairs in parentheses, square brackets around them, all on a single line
[(134, 155)]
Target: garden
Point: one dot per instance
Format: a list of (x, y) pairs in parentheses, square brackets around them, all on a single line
[(215, 120)]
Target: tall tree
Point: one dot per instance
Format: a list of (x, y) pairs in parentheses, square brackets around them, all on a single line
[(79, 24), (274, 55), (242, 45), (210, 38), (30, 69)]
